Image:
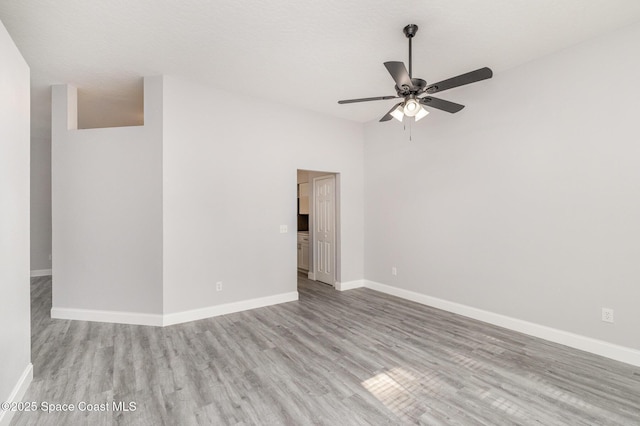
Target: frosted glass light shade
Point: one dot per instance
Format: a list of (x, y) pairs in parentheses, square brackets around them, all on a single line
[(398, 113), (421, 114)]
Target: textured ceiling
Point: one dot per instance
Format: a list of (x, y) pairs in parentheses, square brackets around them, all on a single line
[(304, 53)]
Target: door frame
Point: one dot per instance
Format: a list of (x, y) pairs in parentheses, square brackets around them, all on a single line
[(314, 174), (312, 234)]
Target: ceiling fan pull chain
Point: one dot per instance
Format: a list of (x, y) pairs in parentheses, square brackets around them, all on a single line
[(404, 126), (410, 129)]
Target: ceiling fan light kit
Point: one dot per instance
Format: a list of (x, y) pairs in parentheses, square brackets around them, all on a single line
[(410, 89)]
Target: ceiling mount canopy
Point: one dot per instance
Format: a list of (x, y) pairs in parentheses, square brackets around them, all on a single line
[(411, 90)]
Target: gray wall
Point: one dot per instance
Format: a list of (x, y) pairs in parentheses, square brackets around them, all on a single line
[(526, 202), (40, 204), (107, 209), (230, 182), (14, 219), (148, 219)]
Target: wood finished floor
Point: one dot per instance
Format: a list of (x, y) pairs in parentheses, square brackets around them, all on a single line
[(335, 358)]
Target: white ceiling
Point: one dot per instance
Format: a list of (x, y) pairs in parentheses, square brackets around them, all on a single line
[(305, 53)]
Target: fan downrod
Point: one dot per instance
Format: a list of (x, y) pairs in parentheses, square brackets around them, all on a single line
[(410, 30)]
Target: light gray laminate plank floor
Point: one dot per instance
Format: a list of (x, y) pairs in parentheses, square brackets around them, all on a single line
[(335, 358)]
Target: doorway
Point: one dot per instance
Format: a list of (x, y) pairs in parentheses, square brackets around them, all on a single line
[(318, 226)]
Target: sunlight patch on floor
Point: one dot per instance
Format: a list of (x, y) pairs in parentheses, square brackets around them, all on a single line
[(389, 388), (502, 404)]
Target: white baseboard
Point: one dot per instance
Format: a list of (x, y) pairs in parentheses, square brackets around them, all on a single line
[(159, 320), (117, 317), (40, 272), (349, 285), (17, 394), (588, 344), (228, 308)]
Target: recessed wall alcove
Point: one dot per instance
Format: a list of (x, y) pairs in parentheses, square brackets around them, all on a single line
[(117, 105)]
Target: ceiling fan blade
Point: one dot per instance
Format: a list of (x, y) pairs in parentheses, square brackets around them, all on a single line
[(388, 115), (399, 73), (461, 80), (448, 106), (377, 98)]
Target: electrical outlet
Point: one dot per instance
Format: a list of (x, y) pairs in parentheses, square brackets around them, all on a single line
[(219, 286), (394, 270), (607, 314)]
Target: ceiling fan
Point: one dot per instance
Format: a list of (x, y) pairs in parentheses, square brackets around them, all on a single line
[(410, 89)]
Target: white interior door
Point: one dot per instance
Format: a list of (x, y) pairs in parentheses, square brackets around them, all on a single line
[(324, 220)]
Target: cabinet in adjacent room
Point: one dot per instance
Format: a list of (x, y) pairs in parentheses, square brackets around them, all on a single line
[(303, 251), (303, 198)]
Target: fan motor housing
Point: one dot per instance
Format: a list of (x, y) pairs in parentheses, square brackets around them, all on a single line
[(418, 87)]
